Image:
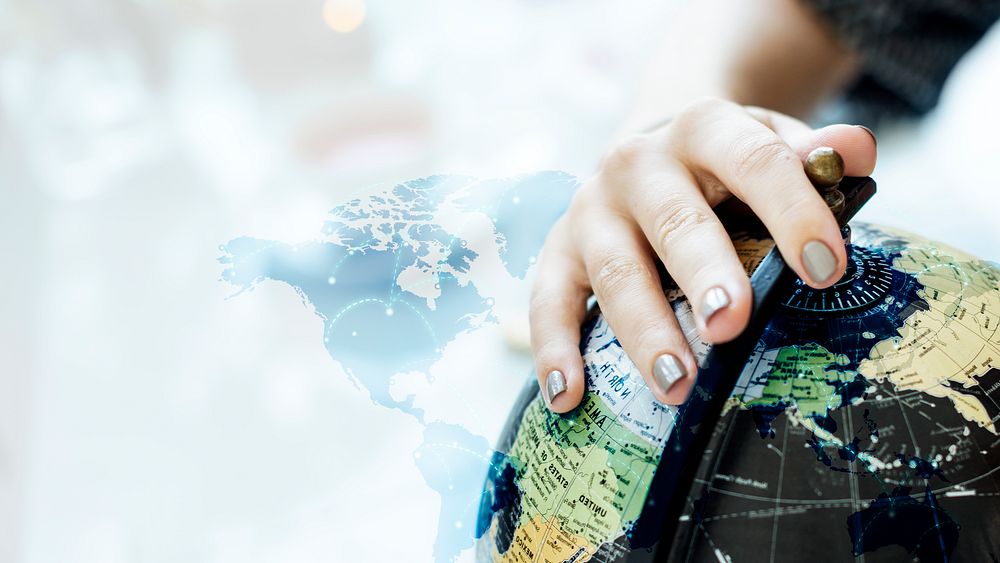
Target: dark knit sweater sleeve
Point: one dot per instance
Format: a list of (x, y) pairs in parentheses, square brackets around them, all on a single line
[(907, 48)]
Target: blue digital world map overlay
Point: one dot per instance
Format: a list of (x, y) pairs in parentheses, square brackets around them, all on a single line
[(395, 281)]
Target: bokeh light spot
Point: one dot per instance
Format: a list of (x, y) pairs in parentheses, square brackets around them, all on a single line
[(344, 16)]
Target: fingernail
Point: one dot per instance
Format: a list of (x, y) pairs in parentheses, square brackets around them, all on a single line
[(870, 132), (715, 300), (819, 261), (668, 370), (555, 383)]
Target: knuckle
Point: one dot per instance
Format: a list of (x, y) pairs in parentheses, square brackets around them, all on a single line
[(650, 332), (799, 214), (556, 239), (593, 194), (625, 154), (756, 153), (705, 105), (584, 193), (548, 352), (675, 218), (616, 273), (704, 274), (544, 302), (698, 110)]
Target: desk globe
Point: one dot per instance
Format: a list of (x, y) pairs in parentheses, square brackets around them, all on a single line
[(864, 426)]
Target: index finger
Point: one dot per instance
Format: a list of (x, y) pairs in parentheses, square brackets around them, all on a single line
[(758, 166)]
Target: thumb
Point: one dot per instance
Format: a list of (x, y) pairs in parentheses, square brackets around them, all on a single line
[(856, 144)]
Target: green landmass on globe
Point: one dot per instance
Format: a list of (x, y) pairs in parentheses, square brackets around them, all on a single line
[(863, 425)]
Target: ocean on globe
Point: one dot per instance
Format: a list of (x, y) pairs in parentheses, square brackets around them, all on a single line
[(865, 426)]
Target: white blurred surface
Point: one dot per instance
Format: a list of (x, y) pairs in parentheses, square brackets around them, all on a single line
[(144, 417)]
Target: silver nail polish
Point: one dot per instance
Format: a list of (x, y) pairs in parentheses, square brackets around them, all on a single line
[(715, 300), (668, 370), (555, 383), (819, 261)]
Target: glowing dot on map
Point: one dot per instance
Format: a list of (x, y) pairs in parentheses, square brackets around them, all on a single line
[(331, 280), (354, 333), (458, 524), (389, 312), (350, 252), (531, 260), (516, 200)]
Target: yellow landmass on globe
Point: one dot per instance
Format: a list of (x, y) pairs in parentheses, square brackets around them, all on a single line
[(583, 479), (543, 540), (942, 350), (570, 482)]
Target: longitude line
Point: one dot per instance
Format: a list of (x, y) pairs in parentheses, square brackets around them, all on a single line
[(777, 497)]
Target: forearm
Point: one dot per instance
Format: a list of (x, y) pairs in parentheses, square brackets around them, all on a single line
[(771, 53)]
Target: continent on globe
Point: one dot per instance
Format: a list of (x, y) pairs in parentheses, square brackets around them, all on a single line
[(854, 398), (945, 350), (806, 378), (581, 478), (866, 417), (930, 533), (397, 277)]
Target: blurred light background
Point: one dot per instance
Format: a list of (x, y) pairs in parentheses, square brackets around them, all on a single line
[(143, 417)]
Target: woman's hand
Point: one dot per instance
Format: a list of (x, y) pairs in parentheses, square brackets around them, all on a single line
[(653, 199)]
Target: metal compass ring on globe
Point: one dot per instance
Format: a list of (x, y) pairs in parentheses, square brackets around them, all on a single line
[(868, 278), (857, 421)]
